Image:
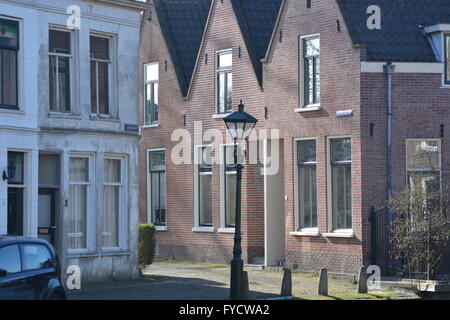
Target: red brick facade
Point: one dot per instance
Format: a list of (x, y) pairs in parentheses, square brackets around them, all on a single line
[(420, 107)]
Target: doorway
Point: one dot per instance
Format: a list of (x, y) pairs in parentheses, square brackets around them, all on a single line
[(46, 215), (274, 203)]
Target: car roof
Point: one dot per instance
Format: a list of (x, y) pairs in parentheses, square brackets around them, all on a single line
[(5, 239)]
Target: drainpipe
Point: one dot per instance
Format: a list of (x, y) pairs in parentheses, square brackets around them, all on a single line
[(389, 70)]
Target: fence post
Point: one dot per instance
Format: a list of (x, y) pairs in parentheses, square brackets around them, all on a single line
[(373, 234)]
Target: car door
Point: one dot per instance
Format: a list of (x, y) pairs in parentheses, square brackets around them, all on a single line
[(12, 285), (38, 265)]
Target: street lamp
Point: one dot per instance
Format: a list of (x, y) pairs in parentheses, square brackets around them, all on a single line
[(240, 125), (9, 173)]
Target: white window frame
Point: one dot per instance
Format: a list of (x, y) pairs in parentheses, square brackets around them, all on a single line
[(218, 70), (336, 232), (197, 227), (123, 202), (113, 112), (298, 229), (91, 205), (149, 190), (302, 106), (156, 123), (439, 141)]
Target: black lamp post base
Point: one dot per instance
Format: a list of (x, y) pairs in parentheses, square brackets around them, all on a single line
[(237, 284)]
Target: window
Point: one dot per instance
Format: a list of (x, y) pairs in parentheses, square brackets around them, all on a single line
[(112, 190), (341, 183), (204, 191), (36, 257), (423, 165), (10, 259), (16, 192), (230, 179), (311, 70), (306, 184), (9, 46), (151, 104), (447, 58), (224, 81), (157, 187), (59, 70), (78, 202), (100, 62)]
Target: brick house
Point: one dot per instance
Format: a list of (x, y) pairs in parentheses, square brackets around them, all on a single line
[(320, 79)]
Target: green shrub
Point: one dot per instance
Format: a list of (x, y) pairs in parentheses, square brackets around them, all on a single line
[(146, 244)]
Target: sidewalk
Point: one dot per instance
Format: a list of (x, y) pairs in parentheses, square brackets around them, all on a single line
[(175, 280)]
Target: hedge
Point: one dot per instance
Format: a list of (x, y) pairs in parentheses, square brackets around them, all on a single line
[(146, 244)]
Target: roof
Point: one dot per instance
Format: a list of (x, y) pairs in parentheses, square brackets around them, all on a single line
[(400, 38), (183, 23)]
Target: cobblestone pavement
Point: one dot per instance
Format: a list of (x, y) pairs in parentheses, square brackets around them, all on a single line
[(169, 280)]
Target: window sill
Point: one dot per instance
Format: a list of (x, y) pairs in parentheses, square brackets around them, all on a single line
[(226, 230), (309, 108), (161, 228), (203, 229), (220, 115), (64, 115), (156, 125), (97, 117), (114, 252), (348, 235), (12, 111), (305, 233)]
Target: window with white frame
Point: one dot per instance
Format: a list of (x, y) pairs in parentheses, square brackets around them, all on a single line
[(423, 159), (60, 56), (204, 186), (230, 181), (151, 93), (9, 47), (80, 184), (224, 81), (341, 183), (311, 70), (306, 184), (447, 58), (100, 70), (157, 187), (112, 202)]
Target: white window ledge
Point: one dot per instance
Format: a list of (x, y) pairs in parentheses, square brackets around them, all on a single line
[(99, 117), (156, 125), (161, 228), (339, 235), (226, 230), (305, 233), (203, 229), (220, 115), (12, 111), (309, 108), (64, 115)]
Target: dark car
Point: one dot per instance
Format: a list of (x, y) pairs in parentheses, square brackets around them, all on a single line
[(29, 270)]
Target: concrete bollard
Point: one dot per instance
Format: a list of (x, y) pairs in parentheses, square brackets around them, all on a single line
[(323, 282), (245, 285), (362, 280), (286, 285)]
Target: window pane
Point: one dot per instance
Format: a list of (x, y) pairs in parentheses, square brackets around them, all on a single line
[(423, 154), (306, 151), (229, 91), (447, 61), (9, 35), (155, 103), (157, 160), (162, 198), (36, 257), (205, 186), (152, 72), (424, 181), (16, 160), (59, 42), (52, 83), (111, 197), (312, 46), (93, 87), (309, 81), (77, 216), (341, 189), (99, 48), (230, 196), (79, 169), (205, 157), (225, 60), (221, 92), (64, 83), (307, 197), (112, 171), (317, 80), (10, 259), (158, 198), (103, 70), (8, 73), (341, 149)]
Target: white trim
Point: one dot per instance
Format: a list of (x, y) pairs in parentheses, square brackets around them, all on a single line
[(309, 108), (305, 233), (220, 115), (203, 229), (404, 67), (438, 28), (348, 234), (226, 230)]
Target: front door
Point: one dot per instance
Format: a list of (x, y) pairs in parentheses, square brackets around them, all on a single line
[(46, 215), (15, 211)]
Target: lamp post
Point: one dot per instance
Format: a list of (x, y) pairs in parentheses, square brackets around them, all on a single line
[(240, 125)]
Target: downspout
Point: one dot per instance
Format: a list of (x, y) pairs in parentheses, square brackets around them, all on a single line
[(389, 70)]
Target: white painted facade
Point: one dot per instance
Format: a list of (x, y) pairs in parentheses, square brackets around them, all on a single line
[(36, 131)]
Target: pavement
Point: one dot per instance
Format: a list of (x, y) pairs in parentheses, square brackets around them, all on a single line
[(175, 280)]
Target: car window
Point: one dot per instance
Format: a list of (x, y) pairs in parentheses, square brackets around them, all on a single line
[(10, 259), (36, 256)]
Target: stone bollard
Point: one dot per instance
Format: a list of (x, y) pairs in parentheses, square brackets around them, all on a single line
[(245, 285), (286, 285), (362, 280), (323, 282)]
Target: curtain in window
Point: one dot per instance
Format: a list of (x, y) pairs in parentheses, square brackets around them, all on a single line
[(77, 217)]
